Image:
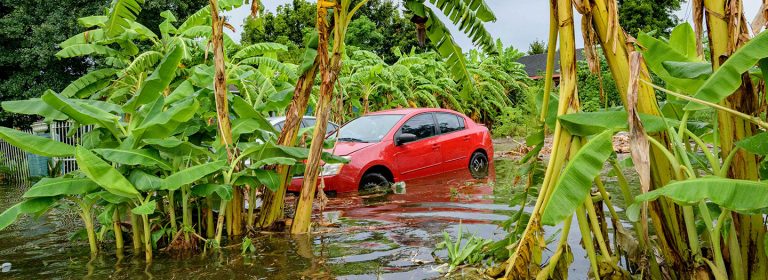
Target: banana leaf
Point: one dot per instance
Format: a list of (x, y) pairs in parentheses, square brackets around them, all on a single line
[(104, 174), (191, 175), (205, 190), (576, 180), (727, 78), (51, 187), (735, 195), (143, 157), (28, 206), (35, 144)]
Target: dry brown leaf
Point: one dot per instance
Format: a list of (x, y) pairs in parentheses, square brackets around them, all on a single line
[(698, 21), (638, 141)]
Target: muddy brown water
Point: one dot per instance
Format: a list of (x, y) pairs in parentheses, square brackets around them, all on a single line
[(390, 236)]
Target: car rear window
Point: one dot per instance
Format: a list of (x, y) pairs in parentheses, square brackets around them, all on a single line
[(448, 122)]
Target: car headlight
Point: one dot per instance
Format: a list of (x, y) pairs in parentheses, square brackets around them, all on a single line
[(332, 169)]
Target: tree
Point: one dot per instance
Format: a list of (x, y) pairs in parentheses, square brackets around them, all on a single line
[(648, 15), (30, 36), (380, 28), (537, 47)]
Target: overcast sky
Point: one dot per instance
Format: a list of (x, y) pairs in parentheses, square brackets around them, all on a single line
[(519, 22)]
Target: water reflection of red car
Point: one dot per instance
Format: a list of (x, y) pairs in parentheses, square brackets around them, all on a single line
[(405, 144)]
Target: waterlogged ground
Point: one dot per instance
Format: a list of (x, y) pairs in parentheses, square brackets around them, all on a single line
[(388, 236)]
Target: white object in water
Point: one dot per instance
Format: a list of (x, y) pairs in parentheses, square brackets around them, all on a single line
[(332, 217), (398, 188), (5, 267)]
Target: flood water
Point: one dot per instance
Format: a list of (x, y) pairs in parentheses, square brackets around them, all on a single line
[(390, 236)]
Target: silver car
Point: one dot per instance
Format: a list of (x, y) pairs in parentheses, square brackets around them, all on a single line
[(306, 121)]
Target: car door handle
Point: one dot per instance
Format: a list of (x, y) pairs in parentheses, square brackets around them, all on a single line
[(466, 138), (435, 146)]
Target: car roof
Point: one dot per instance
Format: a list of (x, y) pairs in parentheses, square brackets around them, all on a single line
[(274, 120), (409, 111)]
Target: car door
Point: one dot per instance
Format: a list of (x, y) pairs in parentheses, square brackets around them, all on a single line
[(421, 157), (453, 140)]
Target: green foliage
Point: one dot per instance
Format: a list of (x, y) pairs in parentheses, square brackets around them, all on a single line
[(164, 145), (574, 185), (648, 15), (537, 47), (596, 90), (380, 28), (463, 250), (521, 118), (32, 31), (736, 195), (424, 80)]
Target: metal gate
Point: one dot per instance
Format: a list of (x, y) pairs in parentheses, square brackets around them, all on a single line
[(14, 161), (60, 131)]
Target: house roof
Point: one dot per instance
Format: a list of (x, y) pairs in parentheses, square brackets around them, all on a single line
[(536, 65)]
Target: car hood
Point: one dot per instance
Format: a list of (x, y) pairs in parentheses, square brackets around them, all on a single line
[(346, 148)]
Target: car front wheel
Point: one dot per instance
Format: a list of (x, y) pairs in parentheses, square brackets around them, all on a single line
[(374, 181), (478, 165)]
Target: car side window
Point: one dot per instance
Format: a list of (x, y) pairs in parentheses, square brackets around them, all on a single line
[(309, 122), (448, 122), (332, 127), (279, 126), (423, 126)]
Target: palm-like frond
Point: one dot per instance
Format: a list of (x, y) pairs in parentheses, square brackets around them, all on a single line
[(121, 13), (259, 49)]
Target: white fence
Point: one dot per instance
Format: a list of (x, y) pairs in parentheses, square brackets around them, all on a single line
[(14, 161), (60, 131)]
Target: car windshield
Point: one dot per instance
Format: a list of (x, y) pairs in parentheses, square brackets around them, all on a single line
[(368, 129)]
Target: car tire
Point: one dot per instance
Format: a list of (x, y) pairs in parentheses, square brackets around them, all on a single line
[(478, 165), (373, 181)]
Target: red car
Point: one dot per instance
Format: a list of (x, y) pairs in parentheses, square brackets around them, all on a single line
[(404, 144)]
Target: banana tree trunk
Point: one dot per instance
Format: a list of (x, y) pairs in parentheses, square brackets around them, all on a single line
[(273, 202), (522, 264), (329, 71), (222, 109), (727, 31), (666, 217)]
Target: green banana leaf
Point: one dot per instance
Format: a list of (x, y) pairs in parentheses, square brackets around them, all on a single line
[(145, 182), (757, 144), (268, 178), (727, 78), (161, 124), (121, 13), (656, 52), (735, 195), (104, 174), (82, 112), (143, 157), (191, 175), (158, 81), (590, 123), (89, 83), (576, 180), (145, 209), (223, 191), (34, 106), (28, 206), (35, 144), (50, 187), (174, 146)]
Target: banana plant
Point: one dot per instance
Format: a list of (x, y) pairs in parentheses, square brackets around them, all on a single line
[(152, 149)]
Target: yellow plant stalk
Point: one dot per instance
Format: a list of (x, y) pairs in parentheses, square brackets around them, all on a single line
[(727, 31), (531, 243)]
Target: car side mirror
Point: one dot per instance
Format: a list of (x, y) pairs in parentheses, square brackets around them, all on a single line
[(405, 138)]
